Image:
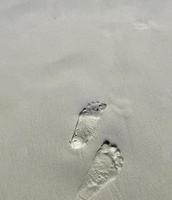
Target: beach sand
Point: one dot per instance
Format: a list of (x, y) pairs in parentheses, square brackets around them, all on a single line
[(57, 56)]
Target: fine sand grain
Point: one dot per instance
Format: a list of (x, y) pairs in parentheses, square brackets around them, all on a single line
[(58, 55)]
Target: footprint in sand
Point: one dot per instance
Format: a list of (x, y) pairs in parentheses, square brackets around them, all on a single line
[(86, 124), (105, 167)]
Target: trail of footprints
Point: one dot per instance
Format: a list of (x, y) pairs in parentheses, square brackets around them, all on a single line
[(108, 160)]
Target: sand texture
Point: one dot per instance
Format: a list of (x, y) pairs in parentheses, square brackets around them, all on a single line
[(56, 56)]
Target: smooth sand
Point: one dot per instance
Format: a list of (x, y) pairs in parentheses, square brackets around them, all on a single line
[(55, 57)]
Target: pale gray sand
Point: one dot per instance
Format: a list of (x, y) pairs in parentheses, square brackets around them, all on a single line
[(56, 56)]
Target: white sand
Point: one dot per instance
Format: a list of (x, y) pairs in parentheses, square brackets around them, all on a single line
[(55, 57)]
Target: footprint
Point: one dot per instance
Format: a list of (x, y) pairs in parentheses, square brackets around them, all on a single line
[(142, 25), (86, 124), (106, 166)]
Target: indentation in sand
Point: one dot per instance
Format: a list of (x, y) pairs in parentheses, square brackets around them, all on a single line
[(144, 25), (107, 164), (86, 124)]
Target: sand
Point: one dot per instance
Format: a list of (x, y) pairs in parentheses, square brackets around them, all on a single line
[(57, 56)]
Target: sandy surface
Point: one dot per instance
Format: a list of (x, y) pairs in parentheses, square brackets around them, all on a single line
[(55, 57)]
